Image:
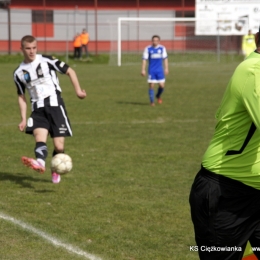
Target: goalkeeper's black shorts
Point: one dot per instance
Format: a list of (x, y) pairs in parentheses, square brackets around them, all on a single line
[(225, 214)]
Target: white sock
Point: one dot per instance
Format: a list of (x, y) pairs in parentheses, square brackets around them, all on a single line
[(41, 161)]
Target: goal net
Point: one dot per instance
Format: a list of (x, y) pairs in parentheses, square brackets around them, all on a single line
[(186, 39)]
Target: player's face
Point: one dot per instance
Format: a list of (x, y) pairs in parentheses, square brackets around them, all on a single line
[(155, 41), (29, 50)]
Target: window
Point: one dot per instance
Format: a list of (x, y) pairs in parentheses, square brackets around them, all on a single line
[(38, 16), (42, 23)]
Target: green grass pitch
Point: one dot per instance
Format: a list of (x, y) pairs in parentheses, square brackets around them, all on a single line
[(127, 195)]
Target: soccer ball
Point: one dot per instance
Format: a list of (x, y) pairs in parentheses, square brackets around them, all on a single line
[(61, 163)]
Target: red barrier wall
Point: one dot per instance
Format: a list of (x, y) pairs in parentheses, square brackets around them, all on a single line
[(105, 4)]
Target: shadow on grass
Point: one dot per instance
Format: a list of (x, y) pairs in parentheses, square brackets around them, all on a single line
[(43, 191), (133, 103), (24, 181)]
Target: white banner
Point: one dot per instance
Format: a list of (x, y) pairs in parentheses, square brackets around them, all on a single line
[(227, 17)]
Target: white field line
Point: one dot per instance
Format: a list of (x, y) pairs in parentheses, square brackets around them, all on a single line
[(49, 238), (156, 121)]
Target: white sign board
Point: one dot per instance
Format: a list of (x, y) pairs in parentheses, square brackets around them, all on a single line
[(227, 17)]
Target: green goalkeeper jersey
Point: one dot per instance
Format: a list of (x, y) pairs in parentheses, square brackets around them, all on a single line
[(234, 150)]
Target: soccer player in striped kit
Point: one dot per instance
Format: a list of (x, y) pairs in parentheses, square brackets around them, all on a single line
[(37, 75), (156, 55)]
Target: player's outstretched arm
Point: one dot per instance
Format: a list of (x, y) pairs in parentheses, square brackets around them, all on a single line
[(74, 80), (166, 66), (23, 107), (143, 68)]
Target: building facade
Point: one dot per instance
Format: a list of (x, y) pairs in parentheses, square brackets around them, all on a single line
[(55, 22)]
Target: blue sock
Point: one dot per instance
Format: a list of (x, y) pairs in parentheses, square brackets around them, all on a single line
[(160, 91), (151, 95)]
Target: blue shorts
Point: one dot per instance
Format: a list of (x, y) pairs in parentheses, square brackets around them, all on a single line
[(156, 77)]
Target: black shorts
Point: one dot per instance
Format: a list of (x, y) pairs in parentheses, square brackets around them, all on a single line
[(225, 214), (52, 118)]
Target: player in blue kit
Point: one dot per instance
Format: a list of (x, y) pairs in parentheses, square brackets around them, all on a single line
[(157, 69)]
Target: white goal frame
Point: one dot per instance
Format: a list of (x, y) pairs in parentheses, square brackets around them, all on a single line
[(143, 19), (155, 19)]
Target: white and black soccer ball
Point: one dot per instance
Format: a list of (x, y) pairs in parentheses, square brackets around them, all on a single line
[(61, 163)]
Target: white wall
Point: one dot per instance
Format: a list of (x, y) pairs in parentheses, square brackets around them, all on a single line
[(3, 25), (68, 22)]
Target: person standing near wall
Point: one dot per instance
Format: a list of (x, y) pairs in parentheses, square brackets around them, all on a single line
[(248, 43), (84, 41), (77, 46)]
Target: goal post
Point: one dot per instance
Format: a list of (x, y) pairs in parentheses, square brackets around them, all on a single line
[(185, 38)]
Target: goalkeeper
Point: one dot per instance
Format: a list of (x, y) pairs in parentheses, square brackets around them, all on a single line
[(225, 195)]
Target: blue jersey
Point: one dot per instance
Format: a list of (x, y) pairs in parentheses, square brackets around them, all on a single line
[(155, 56)]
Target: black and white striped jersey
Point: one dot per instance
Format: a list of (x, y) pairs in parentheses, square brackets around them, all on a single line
[(40, 79)]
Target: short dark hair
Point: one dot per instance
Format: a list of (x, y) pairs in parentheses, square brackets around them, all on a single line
[(27, 38), (258, 42), (156, 36)]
